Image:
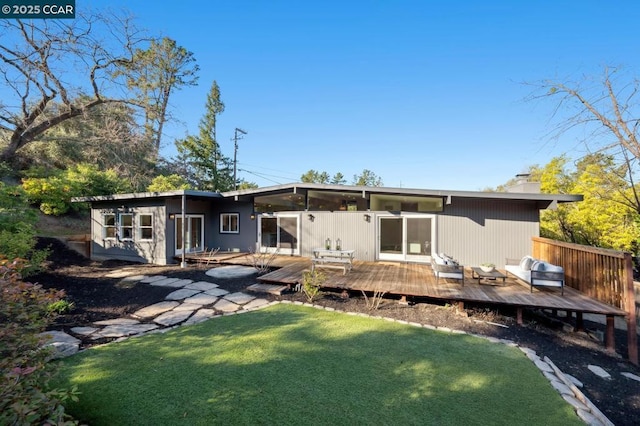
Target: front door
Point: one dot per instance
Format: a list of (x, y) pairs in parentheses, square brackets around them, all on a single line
[(279, 233), (405, 238), (194, 234)]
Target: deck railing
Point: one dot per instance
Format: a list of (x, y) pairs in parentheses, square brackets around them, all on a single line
[(603, 274)]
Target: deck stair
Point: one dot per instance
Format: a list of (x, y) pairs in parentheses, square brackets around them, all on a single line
[(276, 290)]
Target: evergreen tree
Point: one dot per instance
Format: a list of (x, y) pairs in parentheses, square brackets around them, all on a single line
[(205, 167)]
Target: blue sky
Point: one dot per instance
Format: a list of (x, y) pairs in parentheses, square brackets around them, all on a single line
[(426, 94)]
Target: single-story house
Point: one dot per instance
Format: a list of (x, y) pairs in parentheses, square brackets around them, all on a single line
[(379, 223)]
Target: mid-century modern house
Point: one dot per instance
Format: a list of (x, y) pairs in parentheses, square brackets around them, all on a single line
[(380, 224)]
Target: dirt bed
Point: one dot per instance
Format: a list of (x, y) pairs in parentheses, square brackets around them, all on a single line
[(96, 297)]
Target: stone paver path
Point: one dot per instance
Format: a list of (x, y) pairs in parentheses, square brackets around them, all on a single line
[(190, 303)]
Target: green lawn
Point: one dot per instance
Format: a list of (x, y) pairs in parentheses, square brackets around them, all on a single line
[(292, 364)]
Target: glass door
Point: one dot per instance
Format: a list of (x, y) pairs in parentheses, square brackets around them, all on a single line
[(405, 238), (279, 233), (194, 233)]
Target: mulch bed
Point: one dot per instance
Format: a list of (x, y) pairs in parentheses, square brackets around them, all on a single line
[(97, 298)]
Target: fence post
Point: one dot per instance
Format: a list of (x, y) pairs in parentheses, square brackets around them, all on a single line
[(630, 305)]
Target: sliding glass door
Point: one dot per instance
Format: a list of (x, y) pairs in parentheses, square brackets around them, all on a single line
[(405, 238), (279, 233), (194, 234)]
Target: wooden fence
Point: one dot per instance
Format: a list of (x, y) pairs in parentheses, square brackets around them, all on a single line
[(605, 275)]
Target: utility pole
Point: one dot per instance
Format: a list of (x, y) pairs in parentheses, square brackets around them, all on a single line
[(235, 156)]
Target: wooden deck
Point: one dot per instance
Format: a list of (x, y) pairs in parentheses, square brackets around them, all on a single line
[(413, 280), (417, 280)]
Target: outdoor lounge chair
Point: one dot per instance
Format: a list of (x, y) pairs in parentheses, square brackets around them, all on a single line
[(446, 267)]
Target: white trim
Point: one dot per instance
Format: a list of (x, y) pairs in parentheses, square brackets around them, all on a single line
[(188, 225), (140, 227), (222, 223), (404, 254)]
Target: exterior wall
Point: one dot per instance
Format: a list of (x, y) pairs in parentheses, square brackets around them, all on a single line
[(144, 251), (354, 232), (243, 241), (472, 231), (478, 231)]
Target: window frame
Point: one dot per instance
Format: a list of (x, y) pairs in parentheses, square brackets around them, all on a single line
[(122, 227), (226, 219), (106, 227), (141, 227)]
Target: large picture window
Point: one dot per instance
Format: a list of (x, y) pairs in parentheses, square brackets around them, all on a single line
[(229, 223), (145, 227)]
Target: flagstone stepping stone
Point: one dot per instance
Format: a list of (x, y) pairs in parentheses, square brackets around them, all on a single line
[(123, 330), (153, 278), (120, 273), (231, 271), (135, 278), (201, 285), (167, 282), (217, 292), (200, 316), (599, 371), (62, 343), (183, 293), (226, 306), (188, 307), (172, 317), (256, 303), (201, 299), (155, 309), (631, 376), (117, 321), (84, 331), (239, 298)]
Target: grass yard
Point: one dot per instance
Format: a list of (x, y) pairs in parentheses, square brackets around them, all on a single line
[(290, 364)]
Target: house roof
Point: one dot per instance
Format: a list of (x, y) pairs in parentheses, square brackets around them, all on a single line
[(145, 195), (367, 190), (545, 200)]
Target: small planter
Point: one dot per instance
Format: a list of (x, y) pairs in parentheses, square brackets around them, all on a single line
[(488, 268)]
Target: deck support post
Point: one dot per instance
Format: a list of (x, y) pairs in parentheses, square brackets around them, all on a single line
[(579, 321), (460, 306), (403, 300), (519, 315), (610, 337)]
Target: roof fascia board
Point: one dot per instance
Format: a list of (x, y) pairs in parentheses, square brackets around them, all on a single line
[(558, 198), (147, 195)]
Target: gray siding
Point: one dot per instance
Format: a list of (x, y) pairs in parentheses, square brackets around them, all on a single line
[(354, 232), (152, 251), (477, 231)]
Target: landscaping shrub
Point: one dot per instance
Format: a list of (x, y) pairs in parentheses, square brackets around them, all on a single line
[(24, 368), (17, 229), (53, 193), (312, 282)]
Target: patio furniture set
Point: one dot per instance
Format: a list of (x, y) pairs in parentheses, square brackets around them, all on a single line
[(536, 273)]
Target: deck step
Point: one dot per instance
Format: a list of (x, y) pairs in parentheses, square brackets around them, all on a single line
[(268, 288)]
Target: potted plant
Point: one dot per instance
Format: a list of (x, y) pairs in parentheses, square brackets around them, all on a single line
[(487, 267)]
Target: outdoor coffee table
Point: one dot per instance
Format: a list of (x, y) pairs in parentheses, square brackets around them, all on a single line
[(478, 273)]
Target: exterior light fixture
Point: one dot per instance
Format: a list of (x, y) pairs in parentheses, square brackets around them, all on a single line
[(311, 217), (253, 216), (367, 217)]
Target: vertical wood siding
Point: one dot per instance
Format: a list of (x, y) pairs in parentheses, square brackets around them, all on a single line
[(478, 231)]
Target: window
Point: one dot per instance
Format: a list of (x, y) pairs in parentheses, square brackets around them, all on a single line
[(145, 227), (109, 226), (126, 227), (229, 223)]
